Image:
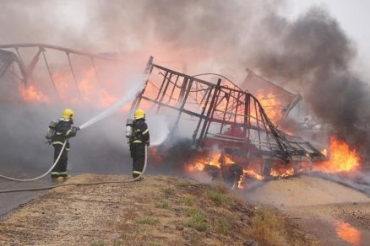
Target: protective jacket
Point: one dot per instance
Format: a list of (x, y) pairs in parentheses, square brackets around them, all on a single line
[(140, 132), (63, 131)]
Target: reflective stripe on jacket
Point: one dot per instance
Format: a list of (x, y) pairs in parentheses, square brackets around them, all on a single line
[(63, 131), (140, 132)]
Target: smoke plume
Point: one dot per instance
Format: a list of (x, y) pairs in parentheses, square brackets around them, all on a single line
[(314, 56)]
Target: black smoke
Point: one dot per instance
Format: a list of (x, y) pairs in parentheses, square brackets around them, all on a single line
[(314, 56)]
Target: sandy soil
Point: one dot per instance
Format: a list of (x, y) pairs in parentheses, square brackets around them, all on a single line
[(336, 214)]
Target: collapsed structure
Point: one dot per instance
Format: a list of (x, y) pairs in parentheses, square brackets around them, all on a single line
[(221, 120), (225, 119)]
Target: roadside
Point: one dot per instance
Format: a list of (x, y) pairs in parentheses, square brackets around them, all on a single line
[(335, 214), (159, 210)]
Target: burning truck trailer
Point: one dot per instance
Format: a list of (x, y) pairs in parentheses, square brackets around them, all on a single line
[(220, 129)]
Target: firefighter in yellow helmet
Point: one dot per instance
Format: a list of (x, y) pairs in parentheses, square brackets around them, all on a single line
[(138, 140), (64, 130)]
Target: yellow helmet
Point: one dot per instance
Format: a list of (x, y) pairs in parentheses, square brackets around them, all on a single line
[(139, 114), (67, 113)]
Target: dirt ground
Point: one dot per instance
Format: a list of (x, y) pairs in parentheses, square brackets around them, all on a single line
[(336, 214), (155, 212), (160, 210)]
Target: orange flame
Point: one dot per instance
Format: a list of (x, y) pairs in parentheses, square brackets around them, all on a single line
[(348, 233), (282, 172), (269, 102), (253, 174), (214, 160), (84, 91), (32, 94), (341, 159)]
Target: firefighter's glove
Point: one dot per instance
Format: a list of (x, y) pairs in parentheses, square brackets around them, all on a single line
[(75, 129), (147, 143)]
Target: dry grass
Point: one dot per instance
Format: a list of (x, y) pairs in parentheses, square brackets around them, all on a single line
[(157, 211)]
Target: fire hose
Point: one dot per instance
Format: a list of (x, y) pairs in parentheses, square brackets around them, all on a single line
[(69, 184), (41, 176)]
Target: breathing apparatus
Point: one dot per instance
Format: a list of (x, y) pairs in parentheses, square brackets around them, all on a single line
[(129, 129), (50, 131)]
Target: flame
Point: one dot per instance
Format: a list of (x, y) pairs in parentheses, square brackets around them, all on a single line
[(216, 159), (198, 166), (84, 91), (341, 159), (348, 233), (157, 158), (269, 103), (32, 94), (282, 171), (253, 174), (200, 163), (63, 85)]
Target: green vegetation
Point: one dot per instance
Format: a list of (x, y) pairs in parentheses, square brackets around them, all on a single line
[(148, 221), (197, 220), (189, 201), (217, 197), (268, 227), (184, 183), (168, 192), (222, 226), (216, 210), (163, 205), (101, 243)]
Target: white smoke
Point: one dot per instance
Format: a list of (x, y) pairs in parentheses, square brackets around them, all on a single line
[(159, 129)]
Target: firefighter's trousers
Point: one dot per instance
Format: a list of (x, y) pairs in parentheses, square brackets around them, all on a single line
[(60, 169), (138, 158)]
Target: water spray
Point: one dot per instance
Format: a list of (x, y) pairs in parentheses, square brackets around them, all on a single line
[(129, 96), (161, 133)]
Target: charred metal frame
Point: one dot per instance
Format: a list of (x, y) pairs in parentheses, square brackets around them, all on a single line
[(218, 106), (11, 53)]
